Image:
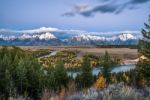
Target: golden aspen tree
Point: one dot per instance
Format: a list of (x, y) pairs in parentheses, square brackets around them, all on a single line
[(101, 83)]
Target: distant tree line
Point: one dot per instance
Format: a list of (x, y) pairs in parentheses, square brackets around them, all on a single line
[(118, 46)]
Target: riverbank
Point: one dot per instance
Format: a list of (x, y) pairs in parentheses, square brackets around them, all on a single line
[(78, 57), (97, 71), (129, 62)]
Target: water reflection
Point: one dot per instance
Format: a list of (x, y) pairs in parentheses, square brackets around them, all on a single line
[(96, 71)]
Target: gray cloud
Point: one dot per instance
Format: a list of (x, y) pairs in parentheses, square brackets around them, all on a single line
[(139, 1), (105, 8), (131, 1), (112, 6), (68, 14)]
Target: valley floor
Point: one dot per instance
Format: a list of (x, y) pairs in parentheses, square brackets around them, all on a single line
[(124, 53)]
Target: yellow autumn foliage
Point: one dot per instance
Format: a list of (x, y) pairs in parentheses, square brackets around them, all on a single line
[(113, 79), (101, 83), (126, 78), (143, 82)]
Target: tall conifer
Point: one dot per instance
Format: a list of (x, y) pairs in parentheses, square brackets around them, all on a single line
[(143, 66)]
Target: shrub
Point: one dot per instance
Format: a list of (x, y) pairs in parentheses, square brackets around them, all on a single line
[(101, 83)]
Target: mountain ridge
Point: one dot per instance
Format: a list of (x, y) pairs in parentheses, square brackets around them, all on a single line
[(55, 36)]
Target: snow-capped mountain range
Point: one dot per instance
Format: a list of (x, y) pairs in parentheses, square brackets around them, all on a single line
[(54, 36), (44, 36), (122, 36)]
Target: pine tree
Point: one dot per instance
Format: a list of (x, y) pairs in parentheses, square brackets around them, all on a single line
[(9, 83), (85, 79), (143, 67), (61, 76), (6, 82), (106, 66), (21, 80), (51, 79), (34, 73)]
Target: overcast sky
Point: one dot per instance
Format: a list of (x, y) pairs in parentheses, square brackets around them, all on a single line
[(89, 15)]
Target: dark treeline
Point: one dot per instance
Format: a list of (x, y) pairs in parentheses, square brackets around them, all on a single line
[(118, 46), (22, 75), (99, 46)]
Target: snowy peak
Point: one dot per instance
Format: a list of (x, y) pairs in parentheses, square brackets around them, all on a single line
[(25, 36), (41, 36), (7, 37), (123, 37), (40, 30), (84, 37), (120, 39), (81, 38), (46, 36), (126, 36)]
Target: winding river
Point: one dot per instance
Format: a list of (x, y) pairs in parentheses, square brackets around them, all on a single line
[(49, 55), (96, 71)]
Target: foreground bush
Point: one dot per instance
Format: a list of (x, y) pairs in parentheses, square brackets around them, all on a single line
[(112, 92), (101, 83)]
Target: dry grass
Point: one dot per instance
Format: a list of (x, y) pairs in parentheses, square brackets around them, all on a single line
[(123, 53)]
